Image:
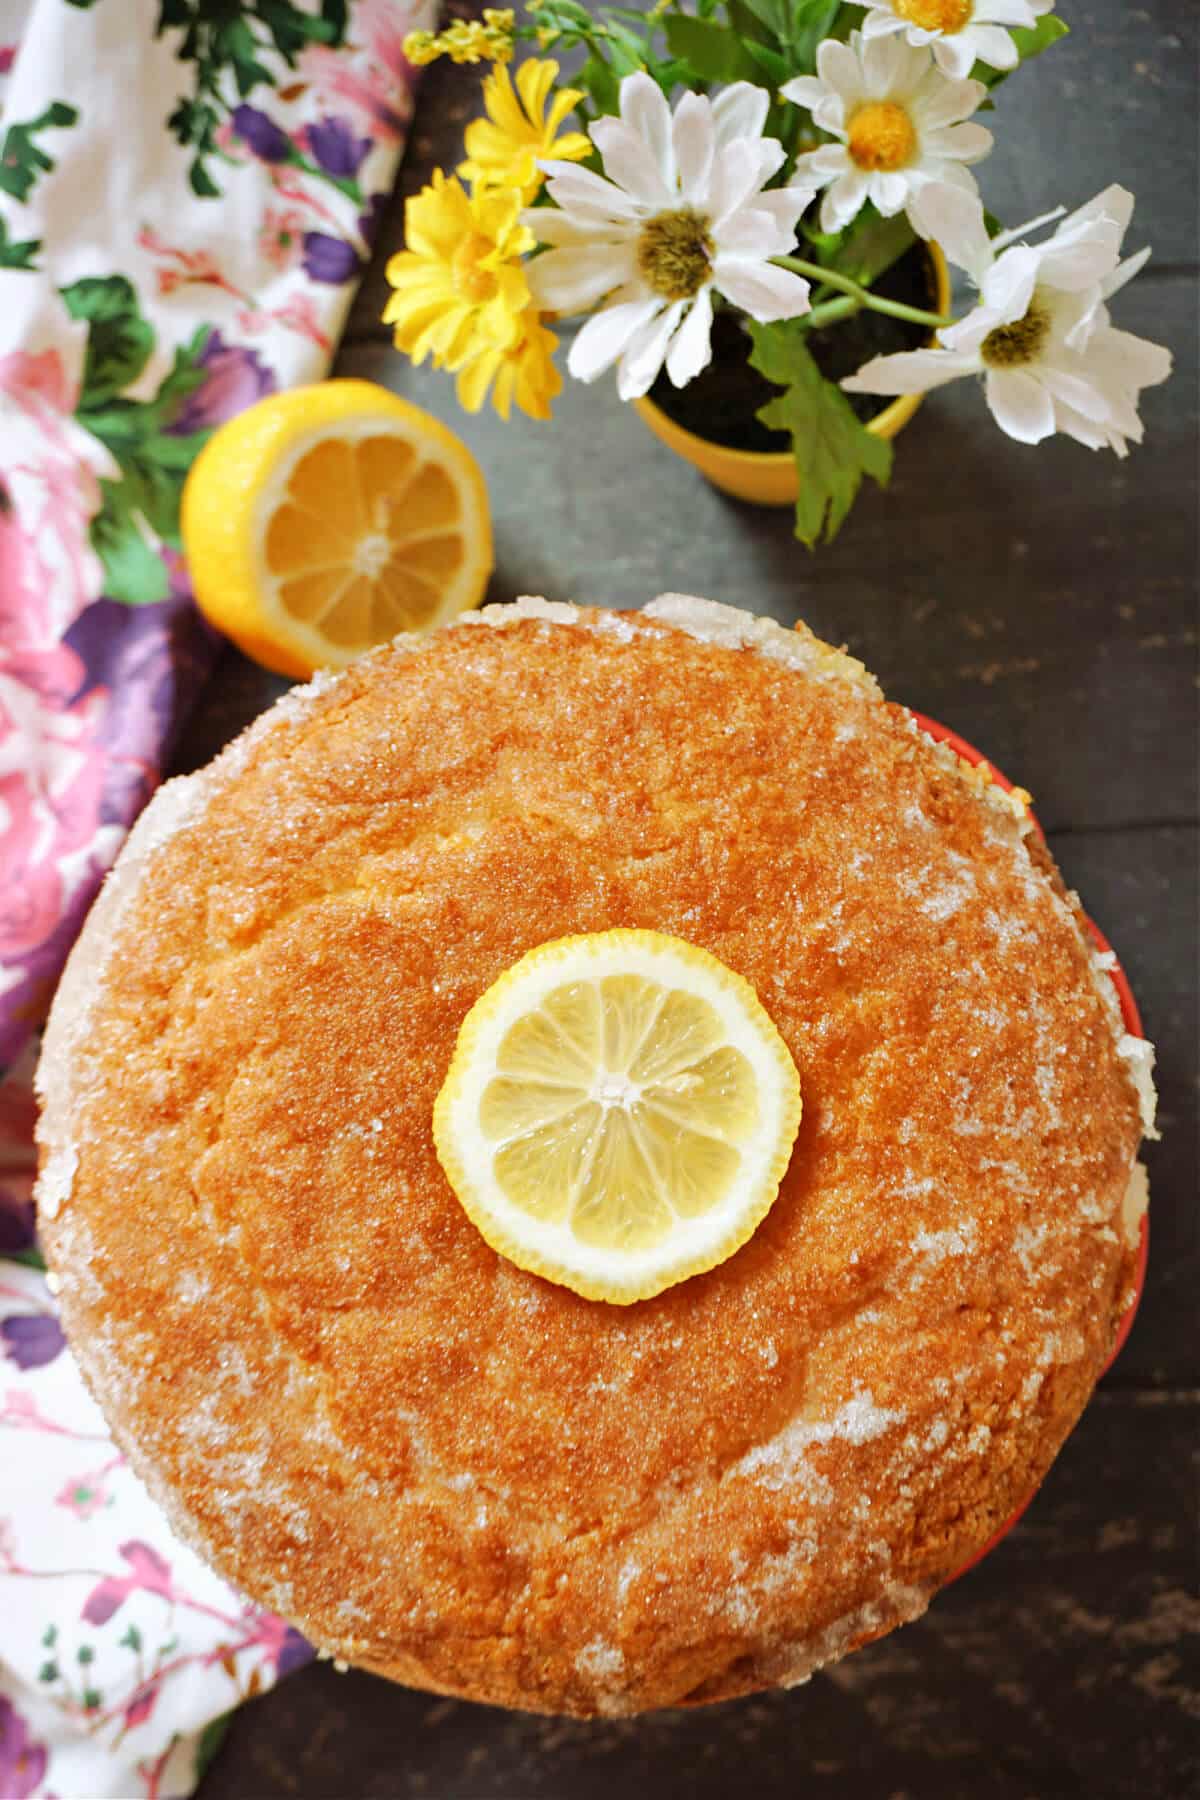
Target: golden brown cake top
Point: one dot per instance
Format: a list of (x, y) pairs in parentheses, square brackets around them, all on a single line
[(450, 1470)]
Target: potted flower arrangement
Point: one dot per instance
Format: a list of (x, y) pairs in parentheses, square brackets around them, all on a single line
[(751, 205)]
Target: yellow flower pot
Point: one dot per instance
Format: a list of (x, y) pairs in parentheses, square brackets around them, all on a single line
[(770, 477)]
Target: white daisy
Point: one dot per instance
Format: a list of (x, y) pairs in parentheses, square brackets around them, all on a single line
[(1041, 333), (957, 31), (899, 122), (680, 215)]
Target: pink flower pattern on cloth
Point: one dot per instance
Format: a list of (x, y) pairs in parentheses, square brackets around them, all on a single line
[(181, 231)]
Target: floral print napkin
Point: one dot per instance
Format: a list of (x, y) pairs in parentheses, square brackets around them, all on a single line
[(188, 195)]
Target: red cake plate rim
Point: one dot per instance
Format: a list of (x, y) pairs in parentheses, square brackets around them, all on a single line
[(1133, 1024)]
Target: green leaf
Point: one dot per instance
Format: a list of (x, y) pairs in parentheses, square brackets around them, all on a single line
[(50, 1635), (334, 13), (211, 1739), (134, 572), (871, 245), (132, 1639), (19, 254), (812, 22), (774, 14), (48, 1672), (833, 450), (775, 67), (92, 1699), (30, 1259), (201, 182), (85, 1654), (597, 77), (1030, 41), (119, 339), (714, 51), (240, 48), (22, 159)]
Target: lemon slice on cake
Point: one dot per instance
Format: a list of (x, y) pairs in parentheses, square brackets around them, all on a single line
[(327, 519), (618, 1113)]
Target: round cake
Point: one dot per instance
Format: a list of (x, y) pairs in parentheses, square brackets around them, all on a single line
[(453, 1472)]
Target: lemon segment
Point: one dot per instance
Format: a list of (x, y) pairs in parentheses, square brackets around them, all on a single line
[(618, 1113), (327, 519)]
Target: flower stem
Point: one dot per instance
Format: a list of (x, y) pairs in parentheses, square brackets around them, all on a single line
[(861, 295), (830, 311)]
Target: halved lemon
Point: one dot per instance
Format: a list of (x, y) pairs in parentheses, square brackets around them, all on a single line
[(618, 1113), (326, 519)]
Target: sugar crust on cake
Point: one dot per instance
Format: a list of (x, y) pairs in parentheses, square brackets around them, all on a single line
[(735, 1634)]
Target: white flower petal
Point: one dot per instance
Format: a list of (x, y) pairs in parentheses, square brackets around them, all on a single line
[(990, 44), (955, 56), (695, 143), (1008, 286), (749, 232), (588, 196), (1073, 387), (572, 279), (910, 372), (782, 208), (627, 162), (967, 335), (644, 109), (1134, 361), (1124, 271), (830, 114), (691, 347), (740, 111), (891, 68), (820, 164), (839, 68), (605, 336), (1020, 405), (943, 174), (879, 24), (1018, 233), (939, 101), (761, 289), (738, 171), (1086, 432), (1075, 316), (954, 219), (550, 225), (1009, 12), (1115, 203), (1077, 259), (802, 90), (639, 366), (888, 190), (844, 199), (965, 143)]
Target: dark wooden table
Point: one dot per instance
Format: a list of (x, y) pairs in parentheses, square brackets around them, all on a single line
[(1044, 603)]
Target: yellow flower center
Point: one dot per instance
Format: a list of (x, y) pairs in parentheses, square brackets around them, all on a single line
[(472, 282), (675, 252), (881, 136), (934, 15), (1009, 346)]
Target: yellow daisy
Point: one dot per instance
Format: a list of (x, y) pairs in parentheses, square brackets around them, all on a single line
[(525, 372), (459, 286), (504, 148)]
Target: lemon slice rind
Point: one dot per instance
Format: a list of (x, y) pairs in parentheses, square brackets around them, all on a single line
[(549, 1247)]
